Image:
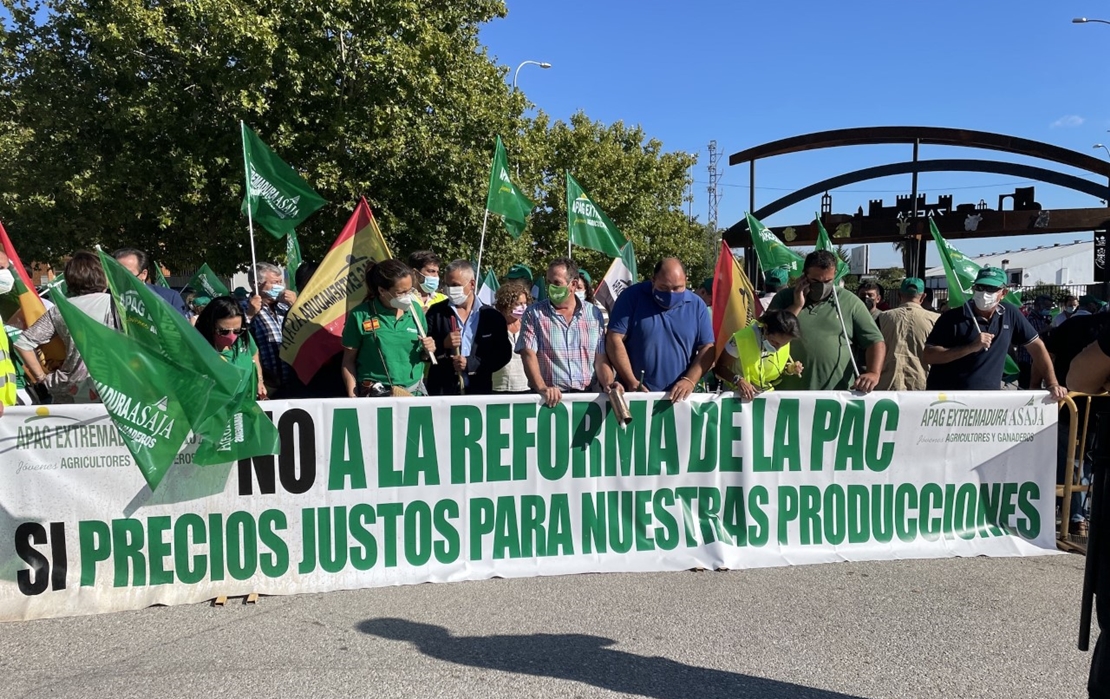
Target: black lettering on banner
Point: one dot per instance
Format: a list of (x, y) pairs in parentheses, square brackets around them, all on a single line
[(58, 553), (298, 447), (26, 535)]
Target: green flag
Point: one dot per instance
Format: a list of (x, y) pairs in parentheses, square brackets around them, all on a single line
[(277, 197), (159, 278), (823, 243), (588, 226), (772, 252), (488, 287), (148, 396), (960, 273), (155, 325), (292, 259), (504, 198), (206, 283)]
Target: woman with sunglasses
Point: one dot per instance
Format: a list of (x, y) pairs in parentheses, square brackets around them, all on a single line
[(223, 324)]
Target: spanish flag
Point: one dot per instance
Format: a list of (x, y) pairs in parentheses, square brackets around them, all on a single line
[(314, 326), (31, 307), (734, 302)]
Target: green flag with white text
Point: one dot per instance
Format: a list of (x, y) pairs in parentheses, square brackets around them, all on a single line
[(148, 396), (206, 283), (159, 278), (588, 226), (823, 243), (156, 325), (772, 252), (503, 197), (277, 197), (292, 259)]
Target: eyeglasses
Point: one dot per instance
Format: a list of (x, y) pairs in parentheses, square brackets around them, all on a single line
[(229, 331), (984, 287)]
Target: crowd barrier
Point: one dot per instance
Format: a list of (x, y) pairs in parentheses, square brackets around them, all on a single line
[(366, 493), (1077, 438)]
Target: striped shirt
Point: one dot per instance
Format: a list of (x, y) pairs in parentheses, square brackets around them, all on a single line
[(565, 350)]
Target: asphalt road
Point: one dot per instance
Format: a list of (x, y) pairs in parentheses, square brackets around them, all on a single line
[(935, 628)]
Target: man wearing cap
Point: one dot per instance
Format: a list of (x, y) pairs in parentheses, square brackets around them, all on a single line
[(967, 348), (905, 330), (773, 281), (1091, 305), (1040, 317), (524, 274)]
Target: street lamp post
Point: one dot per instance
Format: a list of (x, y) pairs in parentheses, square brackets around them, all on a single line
[(1099, 145), (542, 64), (1084, 20)]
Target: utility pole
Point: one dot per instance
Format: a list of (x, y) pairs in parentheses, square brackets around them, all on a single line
[(714, 202)]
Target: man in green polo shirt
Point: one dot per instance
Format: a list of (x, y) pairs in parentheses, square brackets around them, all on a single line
[(825, 347)]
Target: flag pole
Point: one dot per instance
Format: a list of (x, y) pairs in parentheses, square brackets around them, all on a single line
[(481, 246), (250, 216)]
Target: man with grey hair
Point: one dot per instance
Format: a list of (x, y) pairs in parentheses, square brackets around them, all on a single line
[(472, 338), (266, 309)]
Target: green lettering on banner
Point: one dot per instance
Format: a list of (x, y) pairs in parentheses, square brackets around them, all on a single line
[(709, 514), (834, 514), (734, 517), (731, 434), (964, 515), (622, 533), (949, 503), (127, 538), (826, 427), (585, 446), (642, 519), (418, 533), (466, 444), (930, 526), (859, 511), (481, 524), (884, 419), (388, 477), (448, 548), (346, 460), (421, 458), (242, 545), (506, 531), (686, 497), (1007, 507), (809, 514), (990, 498), (389, 512), (664, 440), (788, 511), (760, 531), (666, 534), (216, 548), (905, 499), (96, 546), (626, 445), (1027, 493), (560, 535), (526, 438), (593, 523), (275, 562), (331, 527), (158, 550), (882, 513), (497, 441), (850, 442), (189, 531), (365, 555), (533, 535), (703, 437), (553, 458), (308, 541)]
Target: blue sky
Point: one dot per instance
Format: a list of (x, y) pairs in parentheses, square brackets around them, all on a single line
[(744, 73)]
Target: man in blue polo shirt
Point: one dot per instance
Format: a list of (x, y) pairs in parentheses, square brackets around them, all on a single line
[(968, 345), (660, 335)]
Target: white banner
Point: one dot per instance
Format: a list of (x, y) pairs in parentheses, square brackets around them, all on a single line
[(369, 492)]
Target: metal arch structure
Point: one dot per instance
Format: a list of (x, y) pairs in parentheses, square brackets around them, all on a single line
[(1001, 223), (1029, 172)]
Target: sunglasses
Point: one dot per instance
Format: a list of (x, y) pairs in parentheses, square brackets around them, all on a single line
[(988, 289), (225, 332)]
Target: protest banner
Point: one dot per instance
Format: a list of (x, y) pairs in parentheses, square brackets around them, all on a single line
[(366, 493)]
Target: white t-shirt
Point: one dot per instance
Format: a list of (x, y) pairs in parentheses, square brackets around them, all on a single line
[(511, 378)]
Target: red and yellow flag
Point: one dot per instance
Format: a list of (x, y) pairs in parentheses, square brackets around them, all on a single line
[(734, 303), (31, 307), (314, 326)]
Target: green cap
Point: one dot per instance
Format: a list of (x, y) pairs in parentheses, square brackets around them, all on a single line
[(587, 277), (707, 285), (913, 285), (778, 275), (240, 293), (520, 272), (991, 276), (1088, 300), (201, 301)]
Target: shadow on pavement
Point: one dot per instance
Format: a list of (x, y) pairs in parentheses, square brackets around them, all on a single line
[(584, 658)]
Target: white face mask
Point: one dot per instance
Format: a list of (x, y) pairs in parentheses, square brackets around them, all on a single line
[(402, 302), (986, 300), (581, 296), (457, 295), (7, 281)]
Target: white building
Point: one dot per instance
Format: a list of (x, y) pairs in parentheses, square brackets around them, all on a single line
[(1064, 264)]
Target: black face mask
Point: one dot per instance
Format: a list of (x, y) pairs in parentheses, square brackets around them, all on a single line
[(869, 302), (819, 291)]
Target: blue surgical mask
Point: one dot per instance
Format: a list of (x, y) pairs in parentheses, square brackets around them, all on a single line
[(667, 299), (430, 285), (275, 291), (768, 348)]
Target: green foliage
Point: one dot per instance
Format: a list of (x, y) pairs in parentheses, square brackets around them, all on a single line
[(119, 125)]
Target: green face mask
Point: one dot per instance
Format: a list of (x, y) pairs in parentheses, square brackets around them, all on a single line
[(557, 294)]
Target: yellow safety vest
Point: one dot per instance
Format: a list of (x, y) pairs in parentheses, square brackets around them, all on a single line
[(761, 371), (7, 371)]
